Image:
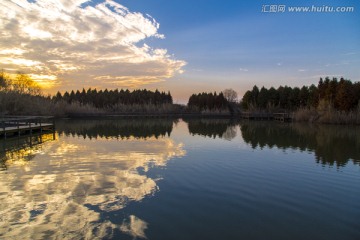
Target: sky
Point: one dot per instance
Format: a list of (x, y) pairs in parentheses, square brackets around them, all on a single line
[(184, 47)]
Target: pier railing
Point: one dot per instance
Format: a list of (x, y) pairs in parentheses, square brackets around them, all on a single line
[(20, 125), (283, 117)]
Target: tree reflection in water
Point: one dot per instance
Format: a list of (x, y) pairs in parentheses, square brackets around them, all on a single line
[(213, 128), (117, 128), (332, 145), (66, 188), (20, 150)]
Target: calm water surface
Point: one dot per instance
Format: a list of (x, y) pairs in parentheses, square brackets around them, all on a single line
[(181, 179)]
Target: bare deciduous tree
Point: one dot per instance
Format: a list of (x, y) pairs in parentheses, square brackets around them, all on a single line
[(230, 95)]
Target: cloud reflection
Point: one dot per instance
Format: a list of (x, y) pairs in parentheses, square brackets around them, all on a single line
[(64, 190), (135, 227)]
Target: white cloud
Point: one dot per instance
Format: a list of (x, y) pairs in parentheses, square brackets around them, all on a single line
[(60, 38), (350, 53), (243, 70), (127, 81), (344, 62), (135, 227)]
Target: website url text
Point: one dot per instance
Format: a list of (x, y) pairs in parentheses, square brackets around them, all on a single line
[(305, 9)]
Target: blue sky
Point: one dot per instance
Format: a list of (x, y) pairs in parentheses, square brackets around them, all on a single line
[(202, 45), (233, 44)]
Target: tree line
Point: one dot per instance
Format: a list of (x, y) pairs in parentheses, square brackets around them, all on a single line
[(109, 98), (207, 101), (342, 95), (19, 91), (21, 95)]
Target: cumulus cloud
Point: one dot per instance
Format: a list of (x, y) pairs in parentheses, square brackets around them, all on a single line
[(76, 43)]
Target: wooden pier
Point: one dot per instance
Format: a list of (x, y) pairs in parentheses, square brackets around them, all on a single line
[(257, 116), (23, 125), (283, 117)]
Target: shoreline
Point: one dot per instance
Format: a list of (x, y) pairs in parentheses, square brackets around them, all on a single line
[(142, 115), (332, 118)]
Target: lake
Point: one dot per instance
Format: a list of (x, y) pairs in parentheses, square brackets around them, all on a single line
[(181, 179)]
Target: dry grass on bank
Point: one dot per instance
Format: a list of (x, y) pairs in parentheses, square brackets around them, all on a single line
[(12, 103), (62, 108), (146, 109), (328, 116)]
